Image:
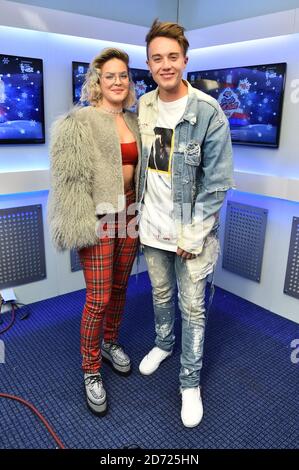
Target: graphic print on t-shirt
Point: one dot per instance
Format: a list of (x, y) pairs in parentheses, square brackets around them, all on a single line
[(160, 157)]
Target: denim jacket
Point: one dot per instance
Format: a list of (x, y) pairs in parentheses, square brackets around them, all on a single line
[(202, 168)]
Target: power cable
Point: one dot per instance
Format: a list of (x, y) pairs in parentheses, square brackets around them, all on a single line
[(14, 306), (38, 414)]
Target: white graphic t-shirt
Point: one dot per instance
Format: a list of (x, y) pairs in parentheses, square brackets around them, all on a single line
[(157, 227)]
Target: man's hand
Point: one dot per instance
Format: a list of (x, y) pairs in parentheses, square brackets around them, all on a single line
[(184, 254)]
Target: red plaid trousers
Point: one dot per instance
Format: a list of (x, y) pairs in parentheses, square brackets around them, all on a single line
[(107, 267)]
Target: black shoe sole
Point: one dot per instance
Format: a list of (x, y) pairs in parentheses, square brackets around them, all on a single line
[(100, 414), (119, 372)]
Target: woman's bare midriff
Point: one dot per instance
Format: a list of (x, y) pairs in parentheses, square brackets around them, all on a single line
[(128, 172)]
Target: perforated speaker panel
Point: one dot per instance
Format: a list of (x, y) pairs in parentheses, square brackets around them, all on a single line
[(75, 261), (291, 284), (22, 250), (244, 239)]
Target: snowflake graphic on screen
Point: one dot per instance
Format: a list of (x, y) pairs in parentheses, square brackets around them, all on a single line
[(5, 60), (140, 87), (24, 95), (25, 76), (32, 123), (20, 114), (244, 86)]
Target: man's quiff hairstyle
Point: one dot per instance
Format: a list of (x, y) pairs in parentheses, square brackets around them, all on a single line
[(167, 30)]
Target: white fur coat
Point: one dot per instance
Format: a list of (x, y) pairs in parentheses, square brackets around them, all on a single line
[(86, 174)]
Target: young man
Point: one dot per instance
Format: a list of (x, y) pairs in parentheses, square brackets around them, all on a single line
[(186, 170)]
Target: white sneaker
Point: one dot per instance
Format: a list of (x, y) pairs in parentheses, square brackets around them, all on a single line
[(192, 410), (152, 360)]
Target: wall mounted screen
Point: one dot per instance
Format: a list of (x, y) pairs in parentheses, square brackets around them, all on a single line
[(79, 70), (142, 79), (251, 97), (21, 100)]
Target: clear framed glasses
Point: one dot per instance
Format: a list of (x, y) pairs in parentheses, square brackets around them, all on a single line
[(111, 78)]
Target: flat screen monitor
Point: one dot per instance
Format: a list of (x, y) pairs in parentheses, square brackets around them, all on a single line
[(141, 78), (250, 96), (79, 70), (143, 81), (21, 100)]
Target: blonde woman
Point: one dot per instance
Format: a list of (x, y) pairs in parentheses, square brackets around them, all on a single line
[(94, 162)]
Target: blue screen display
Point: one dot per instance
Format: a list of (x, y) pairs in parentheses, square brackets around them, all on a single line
[(143, 81), (79, 70), (21, 100), (250, 96), (141, 78)]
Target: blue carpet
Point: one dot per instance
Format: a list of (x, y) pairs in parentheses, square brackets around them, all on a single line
[(250, 385)]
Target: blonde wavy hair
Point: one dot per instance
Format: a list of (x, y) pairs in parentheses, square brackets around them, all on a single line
[(91, 90)]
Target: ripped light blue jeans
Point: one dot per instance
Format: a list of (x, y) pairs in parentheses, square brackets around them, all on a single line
[(165, 269)]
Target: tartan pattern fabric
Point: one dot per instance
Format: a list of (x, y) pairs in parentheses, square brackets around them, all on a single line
[(107, 267)]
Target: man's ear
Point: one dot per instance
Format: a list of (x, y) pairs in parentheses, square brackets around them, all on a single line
[(148, 66), (186, 60)]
